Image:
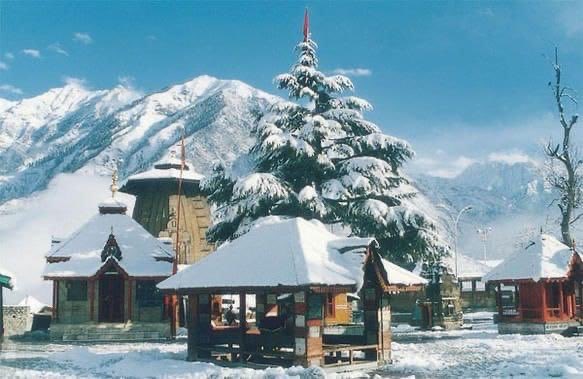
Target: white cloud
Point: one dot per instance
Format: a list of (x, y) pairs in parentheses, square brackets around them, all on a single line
[(9, 88), (509, 157), (57, 48), (83, 38), (31, 53), (70, 80), (353, 71), (441, 165), (126, 81), (4, 66), (9, 55), (569, 17)]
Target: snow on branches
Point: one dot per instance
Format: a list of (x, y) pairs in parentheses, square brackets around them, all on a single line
[(320, 158)]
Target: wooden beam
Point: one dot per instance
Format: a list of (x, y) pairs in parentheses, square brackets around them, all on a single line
[(242, 324), (91, 299)]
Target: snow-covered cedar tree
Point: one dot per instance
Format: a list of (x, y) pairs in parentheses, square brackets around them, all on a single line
[(317, 157)]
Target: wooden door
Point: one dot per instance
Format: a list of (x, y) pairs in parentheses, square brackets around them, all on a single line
[(111, 298)]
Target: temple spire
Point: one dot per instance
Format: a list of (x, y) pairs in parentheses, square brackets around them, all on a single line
[(306, 25), (113, 187)]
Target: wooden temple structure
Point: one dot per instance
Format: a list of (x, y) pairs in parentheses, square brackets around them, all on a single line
[(104, 279), (539, 289), (5, 282), (157, 206), (299, 290)]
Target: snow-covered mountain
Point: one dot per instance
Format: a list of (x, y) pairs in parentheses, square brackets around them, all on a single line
[(71, 128), (511, 198), (492, 188)]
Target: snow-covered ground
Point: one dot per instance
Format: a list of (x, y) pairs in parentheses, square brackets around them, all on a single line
[(479, 352)]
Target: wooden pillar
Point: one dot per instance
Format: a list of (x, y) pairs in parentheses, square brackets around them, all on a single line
[(56, 300), (385, 335), (1, 314), (242, 324), (260, 306), (130, 298), (543, 291), (561, 300), (499, 299), (193, 327), (91, 299), (372, 328)]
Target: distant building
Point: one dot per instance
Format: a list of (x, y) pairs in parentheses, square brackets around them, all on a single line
[(156, 207), (5, 282), (104, 279), (470, 273), (539, 289), (299, 275)]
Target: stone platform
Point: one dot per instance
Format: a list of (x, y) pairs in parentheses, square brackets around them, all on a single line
[(535, 327), (99, 332)]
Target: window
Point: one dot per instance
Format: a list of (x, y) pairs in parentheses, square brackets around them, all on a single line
[(330, 305), (77, 290), (147, 295)]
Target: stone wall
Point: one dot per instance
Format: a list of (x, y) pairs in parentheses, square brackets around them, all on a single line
[(144, 313), (72, 312), (17, 319)]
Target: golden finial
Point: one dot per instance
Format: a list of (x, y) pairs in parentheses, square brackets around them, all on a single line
[(113, 187)]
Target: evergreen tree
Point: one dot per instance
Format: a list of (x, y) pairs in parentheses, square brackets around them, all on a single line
[(318, 157)]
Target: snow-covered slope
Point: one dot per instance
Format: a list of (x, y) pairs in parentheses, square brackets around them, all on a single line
[(72, 128), (509, 197)]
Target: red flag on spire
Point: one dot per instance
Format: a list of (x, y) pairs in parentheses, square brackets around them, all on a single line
[(306, 25)]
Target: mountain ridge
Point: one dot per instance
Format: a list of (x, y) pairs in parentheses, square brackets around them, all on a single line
[(77, 129)]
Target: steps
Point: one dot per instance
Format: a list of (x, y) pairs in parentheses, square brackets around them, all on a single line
[(110, 332)]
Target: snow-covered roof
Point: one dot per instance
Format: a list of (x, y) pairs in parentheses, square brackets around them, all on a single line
[(396, 275), (33, 303), (142, 254), (545, 257), (168, 168), (467, 267), (278, 252)]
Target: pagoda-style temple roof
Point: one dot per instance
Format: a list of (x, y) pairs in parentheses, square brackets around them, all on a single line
[(165, 171), (543, 258), (108, 236), (284, 254)]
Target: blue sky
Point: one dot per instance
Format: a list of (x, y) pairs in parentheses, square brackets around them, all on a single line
[(460, 81)]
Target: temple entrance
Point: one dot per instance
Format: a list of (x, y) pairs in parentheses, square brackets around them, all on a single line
[(111, 297)]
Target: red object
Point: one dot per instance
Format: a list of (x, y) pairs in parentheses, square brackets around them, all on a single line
[(306, 26)]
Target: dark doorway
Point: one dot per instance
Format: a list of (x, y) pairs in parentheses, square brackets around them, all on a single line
[(111, 297)]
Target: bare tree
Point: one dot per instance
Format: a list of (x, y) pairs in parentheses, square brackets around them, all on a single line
[(563, 166)]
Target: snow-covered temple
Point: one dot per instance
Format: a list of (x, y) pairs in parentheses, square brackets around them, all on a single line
[(104, 279), (156, 206), (5, 282), (299, 276), (539, 289)]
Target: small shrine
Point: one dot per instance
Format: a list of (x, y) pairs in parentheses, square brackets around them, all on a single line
[(104, 279), (5, 282), (306, 297), (539, 288)]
